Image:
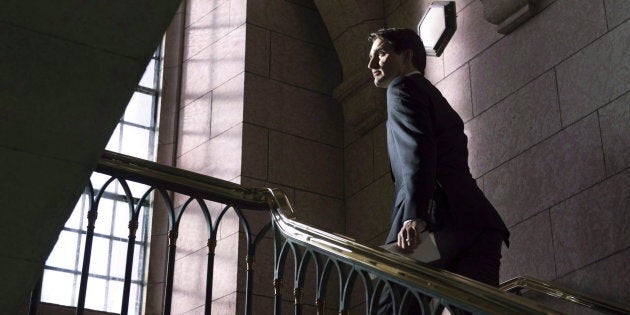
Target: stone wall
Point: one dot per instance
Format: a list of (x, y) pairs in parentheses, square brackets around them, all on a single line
[(201, 130), (546, 110), (254, 106), (264, 85), (292, 129)]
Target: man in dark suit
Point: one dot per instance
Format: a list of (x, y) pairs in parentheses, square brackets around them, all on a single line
[(434, 189)]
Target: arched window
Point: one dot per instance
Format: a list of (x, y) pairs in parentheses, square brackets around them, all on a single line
[(134, 135)]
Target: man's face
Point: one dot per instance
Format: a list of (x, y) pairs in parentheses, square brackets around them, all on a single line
[(385, 64)]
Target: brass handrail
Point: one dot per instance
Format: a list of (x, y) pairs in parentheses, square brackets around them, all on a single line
[(182, 181), (441, 283), (556, 291), (450, 287)]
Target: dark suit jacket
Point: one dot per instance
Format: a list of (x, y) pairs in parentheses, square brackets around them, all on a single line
[(429, 159)]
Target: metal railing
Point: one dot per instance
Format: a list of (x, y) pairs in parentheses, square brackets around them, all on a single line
[(519, 284), (379, 272)]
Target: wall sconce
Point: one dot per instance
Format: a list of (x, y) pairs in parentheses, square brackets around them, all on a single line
[(437, 26)]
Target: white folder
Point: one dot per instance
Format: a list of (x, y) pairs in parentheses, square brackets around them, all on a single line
[(426, 251)]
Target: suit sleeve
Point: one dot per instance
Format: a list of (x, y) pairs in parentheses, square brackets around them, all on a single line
[(412, 132)]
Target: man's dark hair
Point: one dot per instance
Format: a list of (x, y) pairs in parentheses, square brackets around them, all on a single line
[(401, 39)]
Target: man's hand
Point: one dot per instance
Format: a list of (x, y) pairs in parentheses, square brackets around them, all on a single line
[(409, 235)]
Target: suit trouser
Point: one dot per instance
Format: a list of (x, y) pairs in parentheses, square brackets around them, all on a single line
[(478, 258)]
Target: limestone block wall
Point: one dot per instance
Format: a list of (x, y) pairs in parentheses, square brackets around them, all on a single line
[(210, 143), (248, 98), (366, 172), (546, 108), (273, 94), (201, 130), (292, 129)]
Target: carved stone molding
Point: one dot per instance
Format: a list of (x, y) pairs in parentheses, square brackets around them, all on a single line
[(508, 15), (363, 104), (350, 85)]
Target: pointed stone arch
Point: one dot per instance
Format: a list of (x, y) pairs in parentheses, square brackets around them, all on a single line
[(349, 22)]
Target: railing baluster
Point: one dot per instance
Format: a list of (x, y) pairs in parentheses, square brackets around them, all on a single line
[(375, 297), (92, 215), (168, 291), (212, 245), (320, 305), (343, 310), (298, 291), (133, 227), (87, 253), (298, 294), (249, 284), (277, 295), (346, 292)]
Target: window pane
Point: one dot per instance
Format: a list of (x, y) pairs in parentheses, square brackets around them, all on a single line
[(121, 225), (148, 79), (98, 180), (142, 223), (100, 256), (135, 299), (114, 296), (65, 251), (138, 260), (57, 287), (114, 141), (103, 223), (95, 297), (139, 111), (98, 183), (79, 212), (81, 251), (120, 192), (137, 142), (138, 190), (114, 188), (119, 257)]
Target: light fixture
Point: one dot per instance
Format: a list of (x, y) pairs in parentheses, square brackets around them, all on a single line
[(437, 26)]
